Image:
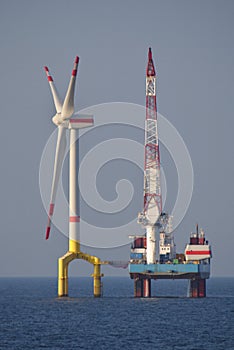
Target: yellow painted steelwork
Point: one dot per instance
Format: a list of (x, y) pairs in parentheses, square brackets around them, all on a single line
[(97, 280), (74, 246), (64, 261)]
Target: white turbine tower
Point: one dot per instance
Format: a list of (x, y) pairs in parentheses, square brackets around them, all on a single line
[(64, 119)]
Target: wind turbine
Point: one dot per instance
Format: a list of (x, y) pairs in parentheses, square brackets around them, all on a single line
[(64, 120)]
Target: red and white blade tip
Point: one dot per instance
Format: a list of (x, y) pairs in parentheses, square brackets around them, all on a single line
[(51, 211), (150, 54), (49, 77), (47, 232), (74, 71)]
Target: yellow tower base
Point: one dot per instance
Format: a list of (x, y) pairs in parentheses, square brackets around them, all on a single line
[(63, 263)]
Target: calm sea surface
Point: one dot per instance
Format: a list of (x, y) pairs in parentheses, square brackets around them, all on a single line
[(32, 317)]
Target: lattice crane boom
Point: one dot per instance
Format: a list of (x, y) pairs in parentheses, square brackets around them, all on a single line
[(152, 209)]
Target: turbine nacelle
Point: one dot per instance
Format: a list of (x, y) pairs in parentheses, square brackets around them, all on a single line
[(79, 121)]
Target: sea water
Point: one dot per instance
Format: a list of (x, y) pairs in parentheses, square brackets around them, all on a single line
[(32, 317)]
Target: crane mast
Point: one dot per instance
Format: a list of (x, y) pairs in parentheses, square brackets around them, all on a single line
[(152, 209)]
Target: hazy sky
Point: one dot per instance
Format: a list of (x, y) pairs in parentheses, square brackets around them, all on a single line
[(193, 49)]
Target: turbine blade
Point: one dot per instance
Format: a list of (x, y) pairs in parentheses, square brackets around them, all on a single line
[(68, 105), (57, 102), (58, 162)]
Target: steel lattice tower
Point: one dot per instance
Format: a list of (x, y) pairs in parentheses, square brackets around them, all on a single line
[(150, 217)]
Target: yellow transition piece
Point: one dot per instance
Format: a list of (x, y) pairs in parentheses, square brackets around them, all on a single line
[(75, 253)]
